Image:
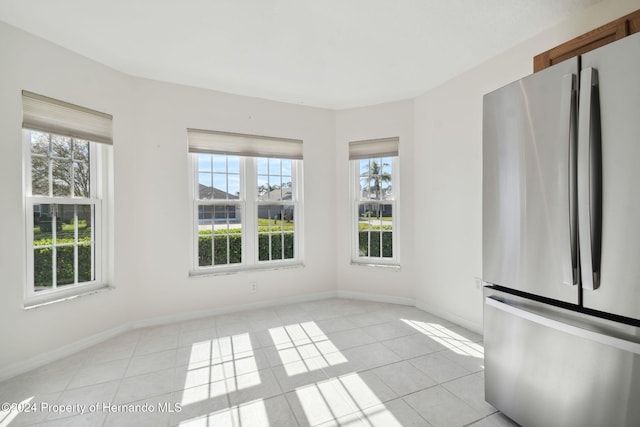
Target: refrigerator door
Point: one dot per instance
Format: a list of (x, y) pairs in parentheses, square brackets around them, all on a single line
[(528, 213), (611, 173)]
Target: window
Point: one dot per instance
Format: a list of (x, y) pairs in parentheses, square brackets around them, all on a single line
[(246, 201), (65, 184), (374, 178)]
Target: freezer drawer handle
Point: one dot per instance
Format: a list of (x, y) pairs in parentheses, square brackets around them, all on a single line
[(589, 179), (564, 327)]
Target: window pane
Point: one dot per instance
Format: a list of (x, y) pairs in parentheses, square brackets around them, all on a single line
[(39, 143), (64, 246), (375, 178), (81, 179), (205, 250), (275, 181), (219, 235), (61, 172), (205, 219), (42, 225), (73, 226), (234, 186), (386, 163), (263, 247), (233, 164), (64, 265), (387, 245), (262, 166), (85, 215), (65, 224), (274, 185), (363, 243), (69, 178), (42, 269), (287, 181), (235, 246), (274, 167), (220, 186), (204, 162), (286, 167), (85, 256), (61, 146), (263, 187), (81, 150), (375, 230), (218, 177), (275, 232), (220, 241), (39, 176), (219, 163), (288, 246), (220, 249), (276, 246), (205, 186), (374, 244)]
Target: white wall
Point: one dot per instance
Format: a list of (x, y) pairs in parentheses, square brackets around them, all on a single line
[(448, 164), (152, 220), (29, 63), (379, 121), (441, 173)]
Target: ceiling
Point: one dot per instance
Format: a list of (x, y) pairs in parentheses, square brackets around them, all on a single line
[(327, 53)]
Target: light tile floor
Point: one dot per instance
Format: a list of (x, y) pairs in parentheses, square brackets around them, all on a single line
[(321, 363)]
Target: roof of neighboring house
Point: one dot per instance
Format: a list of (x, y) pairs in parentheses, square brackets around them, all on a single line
[(278, 194), (207, 192)]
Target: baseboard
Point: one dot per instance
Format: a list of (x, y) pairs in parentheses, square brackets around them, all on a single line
[(42, 359), (376, 298), (181, 317), (461, 321)]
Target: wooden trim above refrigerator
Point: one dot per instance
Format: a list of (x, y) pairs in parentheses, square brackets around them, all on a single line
[(615, 30)]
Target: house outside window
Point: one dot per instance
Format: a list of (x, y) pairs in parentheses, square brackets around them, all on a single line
[(375, 191), (64, 186), (247, 196)]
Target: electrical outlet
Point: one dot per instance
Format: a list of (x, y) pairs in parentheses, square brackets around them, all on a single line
[(478, 282), (253, 287)]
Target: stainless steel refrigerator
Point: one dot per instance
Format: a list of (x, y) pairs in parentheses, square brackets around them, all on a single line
[(561, 242)]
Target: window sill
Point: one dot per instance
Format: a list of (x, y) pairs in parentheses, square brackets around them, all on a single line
[(226, 271), (392, 267), (55, 299)]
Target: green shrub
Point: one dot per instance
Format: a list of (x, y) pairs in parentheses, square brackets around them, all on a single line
[(219, 253), (374, 250), (43, 265), (277, 242), (219, 250)]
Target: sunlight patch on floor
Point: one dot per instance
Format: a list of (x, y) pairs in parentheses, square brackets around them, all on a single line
[(248, 414), (303, 347), (348, 398), (220, 366), (6, 416), (448, 338)]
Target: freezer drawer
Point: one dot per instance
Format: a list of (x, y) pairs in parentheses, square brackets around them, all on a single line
[(549, 366)]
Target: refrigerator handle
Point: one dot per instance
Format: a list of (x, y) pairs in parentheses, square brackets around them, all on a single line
[(564, 327), (589, 179), (567, 135)]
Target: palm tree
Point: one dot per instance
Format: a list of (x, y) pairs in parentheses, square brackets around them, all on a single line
[(375, 178)]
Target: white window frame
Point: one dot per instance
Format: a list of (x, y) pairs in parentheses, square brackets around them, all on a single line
[(249, 205), (357, 200), (100, 160)]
